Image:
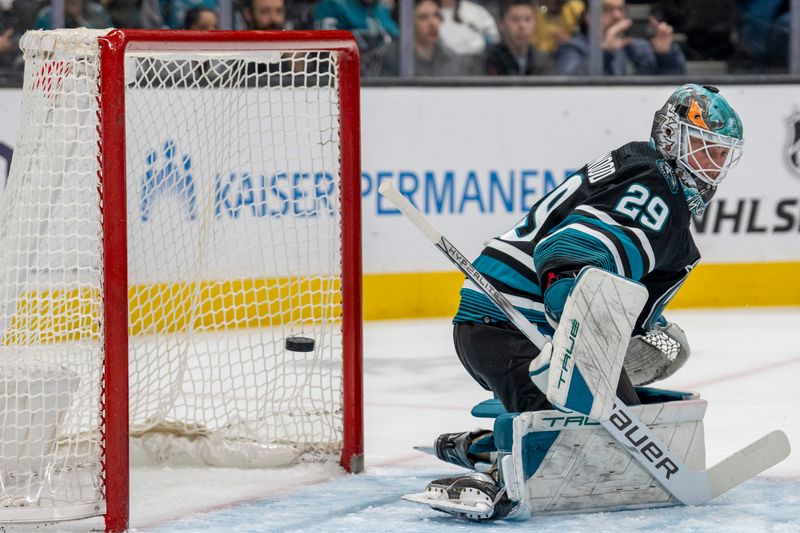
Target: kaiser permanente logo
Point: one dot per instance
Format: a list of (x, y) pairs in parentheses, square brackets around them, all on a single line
[(169, 175), (165, 175), (791, 153)]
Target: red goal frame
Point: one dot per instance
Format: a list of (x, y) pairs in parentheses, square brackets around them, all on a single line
[(111, 156)]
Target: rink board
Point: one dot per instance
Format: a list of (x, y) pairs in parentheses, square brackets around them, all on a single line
[(72, 314), (432, 294), (474, 172)]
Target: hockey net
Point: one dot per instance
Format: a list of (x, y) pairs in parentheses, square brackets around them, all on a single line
[(241, 233)]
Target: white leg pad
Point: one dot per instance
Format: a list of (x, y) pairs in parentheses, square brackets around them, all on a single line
[(565, 462)]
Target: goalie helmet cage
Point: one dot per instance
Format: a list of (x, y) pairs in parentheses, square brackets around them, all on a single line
[(243, 171)]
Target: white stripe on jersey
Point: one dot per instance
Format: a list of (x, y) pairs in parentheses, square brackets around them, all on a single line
[(597, 235), (516, 301), (514, 252), (604, 217)]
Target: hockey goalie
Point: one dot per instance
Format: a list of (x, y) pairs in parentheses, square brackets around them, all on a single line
[(561, 319)]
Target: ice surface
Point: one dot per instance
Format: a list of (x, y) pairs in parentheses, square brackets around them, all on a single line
[(746, 363), (370, 503)]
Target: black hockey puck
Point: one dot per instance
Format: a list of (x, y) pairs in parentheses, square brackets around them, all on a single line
[(299, 344)]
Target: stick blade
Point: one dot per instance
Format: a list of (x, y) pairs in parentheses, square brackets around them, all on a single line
[(748, 462)]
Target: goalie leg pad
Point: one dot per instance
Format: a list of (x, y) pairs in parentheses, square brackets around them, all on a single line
[(560, 462)]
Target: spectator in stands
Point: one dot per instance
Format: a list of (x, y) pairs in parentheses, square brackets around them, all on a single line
[(431, 57), (467, 28), (555, 22), (371, 24), (293, 68), (24, 14), (77, 14), (200, 18), (264, 14), (709, 26), (764, 33), (16, 17), (9, 45), (514, 55), (173, 12), (622, 54), (134, 13), (300, 14)]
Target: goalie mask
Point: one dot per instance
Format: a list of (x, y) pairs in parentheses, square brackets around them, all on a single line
[(699, 133)]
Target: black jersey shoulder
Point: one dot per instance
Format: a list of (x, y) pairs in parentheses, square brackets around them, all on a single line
[(630, 161), (639, 160)]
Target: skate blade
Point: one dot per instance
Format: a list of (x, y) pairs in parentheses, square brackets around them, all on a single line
[(454, 507), (421, 497), (426, 449)]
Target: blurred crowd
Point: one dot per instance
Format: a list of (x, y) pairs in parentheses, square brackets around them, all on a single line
[(471, 37)]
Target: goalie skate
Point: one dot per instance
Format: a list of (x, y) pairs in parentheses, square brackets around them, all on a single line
[(466, 449), (473, 497)]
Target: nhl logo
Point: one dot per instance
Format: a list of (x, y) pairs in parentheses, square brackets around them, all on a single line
[(792, 150)]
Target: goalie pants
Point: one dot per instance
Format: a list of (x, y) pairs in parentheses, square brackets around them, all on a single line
[(498, 355)]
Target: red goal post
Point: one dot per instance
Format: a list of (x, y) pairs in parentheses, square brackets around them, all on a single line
[(314, 175)]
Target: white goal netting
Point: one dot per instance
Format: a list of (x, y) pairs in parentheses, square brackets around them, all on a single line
[(234, 245)]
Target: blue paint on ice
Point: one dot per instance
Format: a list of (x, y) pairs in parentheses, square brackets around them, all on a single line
[(371, 503)]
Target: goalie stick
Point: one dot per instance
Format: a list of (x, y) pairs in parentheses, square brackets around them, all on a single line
[(691, 487)]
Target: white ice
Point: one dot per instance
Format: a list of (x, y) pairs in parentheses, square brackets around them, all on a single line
[(746, 363)]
